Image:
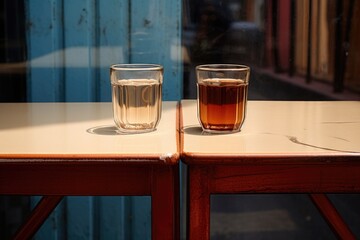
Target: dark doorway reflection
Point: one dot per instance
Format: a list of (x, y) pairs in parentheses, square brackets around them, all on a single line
[(297, 50)]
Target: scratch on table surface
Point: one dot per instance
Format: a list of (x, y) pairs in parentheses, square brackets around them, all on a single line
[(296, 141), (338, 122), (342, 139)]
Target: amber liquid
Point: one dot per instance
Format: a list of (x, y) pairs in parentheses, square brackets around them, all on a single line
[(222, 104)]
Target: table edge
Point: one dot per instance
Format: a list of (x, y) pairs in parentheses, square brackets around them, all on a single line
[(167, 159), (198, 159)]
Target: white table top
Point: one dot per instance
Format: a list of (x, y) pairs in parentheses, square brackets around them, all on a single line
[(278, 129), (81, 130)]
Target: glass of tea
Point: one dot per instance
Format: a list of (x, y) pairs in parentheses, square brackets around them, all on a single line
[(136, 96), (222, 95)]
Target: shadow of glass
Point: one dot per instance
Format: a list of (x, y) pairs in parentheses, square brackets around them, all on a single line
[(104, 130), (192, 130), (198, 131), (111, 130)]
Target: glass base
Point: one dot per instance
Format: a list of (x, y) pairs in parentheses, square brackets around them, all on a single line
[(133, 129), (218, 131)]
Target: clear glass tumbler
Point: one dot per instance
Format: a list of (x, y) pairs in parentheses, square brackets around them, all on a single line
[(222, 91), (136, 96)]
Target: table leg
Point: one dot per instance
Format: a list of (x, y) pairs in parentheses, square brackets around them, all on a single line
[(40, 213), (332, 216), (198, 214), (165, 202)]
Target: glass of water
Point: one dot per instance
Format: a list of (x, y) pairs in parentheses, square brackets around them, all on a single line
[(136, 96)]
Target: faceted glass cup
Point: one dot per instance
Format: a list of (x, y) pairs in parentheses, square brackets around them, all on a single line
[(222, 91), (136, 96)]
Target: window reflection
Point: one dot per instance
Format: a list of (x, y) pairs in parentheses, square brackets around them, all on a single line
[(12, 52), (301, 50)]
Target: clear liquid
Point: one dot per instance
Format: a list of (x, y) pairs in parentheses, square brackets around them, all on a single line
[(137, 104)]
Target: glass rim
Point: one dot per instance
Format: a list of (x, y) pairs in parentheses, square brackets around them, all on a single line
[(137, 67), (222, 67)]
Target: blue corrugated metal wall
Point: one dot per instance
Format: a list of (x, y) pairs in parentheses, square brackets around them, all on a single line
[(71, 45)]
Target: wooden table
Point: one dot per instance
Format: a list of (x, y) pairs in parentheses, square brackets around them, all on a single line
[(58, 149), (284, 147)]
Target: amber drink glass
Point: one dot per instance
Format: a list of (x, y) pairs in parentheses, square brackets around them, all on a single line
[(222, 91), (136, 96)]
